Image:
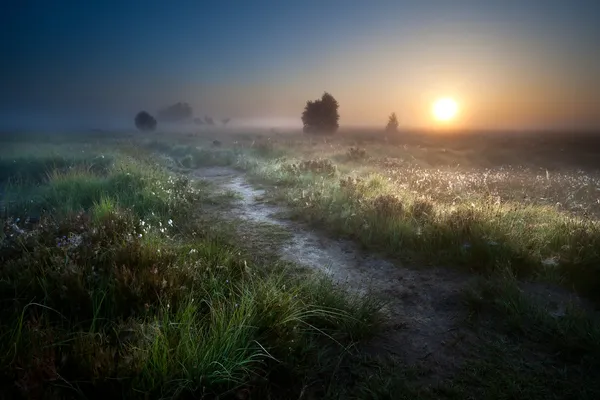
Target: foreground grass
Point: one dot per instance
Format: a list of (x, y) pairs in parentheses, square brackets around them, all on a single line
[(113, 290), (517, 345)]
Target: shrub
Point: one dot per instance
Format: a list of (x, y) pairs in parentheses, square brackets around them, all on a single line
[(388, 205), (357, 153), (145, 122), (350, 183), (321, 116), (422, 208), (462, 221)]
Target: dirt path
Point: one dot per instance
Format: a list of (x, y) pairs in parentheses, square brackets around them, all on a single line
[(423, 306)]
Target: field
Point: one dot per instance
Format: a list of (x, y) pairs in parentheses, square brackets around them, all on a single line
[(288, 266)]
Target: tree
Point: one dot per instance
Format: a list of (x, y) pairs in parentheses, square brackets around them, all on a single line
[(321, 115), (209, 121), (176, 112), (145, 122), (198, 121), (392, 125), (225, 121)]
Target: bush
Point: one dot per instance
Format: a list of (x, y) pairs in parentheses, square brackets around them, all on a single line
[(356, 153), (388, 205), (321, 116), (422, 208), (145, 122)]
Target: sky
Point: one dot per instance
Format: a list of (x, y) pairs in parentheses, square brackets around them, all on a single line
[(526, 64)]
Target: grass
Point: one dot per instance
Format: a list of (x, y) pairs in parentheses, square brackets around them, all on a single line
[(117, 292), (410, 213), (131, 285), (529, 349)]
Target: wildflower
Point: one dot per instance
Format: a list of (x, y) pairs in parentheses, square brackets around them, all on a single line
[(170, 222), (193, 251), (140, 235)]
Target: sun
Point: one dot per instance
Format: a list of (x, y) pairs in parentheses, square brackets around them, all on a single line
[(445, 109)]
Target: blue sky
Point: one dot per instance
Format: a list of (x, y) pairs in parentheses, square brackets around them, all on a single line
[(508, 63)]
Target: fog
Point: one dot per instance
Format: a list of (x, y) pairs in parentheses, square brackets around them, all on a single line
[(49, 121)]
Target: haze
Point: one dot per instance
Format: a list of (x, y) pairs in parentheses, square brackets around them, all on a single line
[(509, 64)]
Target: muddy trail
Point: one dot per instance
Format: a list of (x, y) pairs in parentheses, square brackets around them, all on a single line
[(423, 306)]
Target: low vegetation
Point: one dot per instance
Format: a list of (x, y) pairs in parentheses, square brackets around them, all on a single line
[(118, 277), (476, 219), (114, 290)]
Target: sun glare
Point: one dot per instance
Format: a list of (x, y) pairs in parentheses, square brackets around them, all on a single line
[(445, 109)]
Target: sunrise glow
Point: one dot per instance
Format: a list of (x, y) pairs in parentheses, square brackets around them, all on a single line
[(445, 109)]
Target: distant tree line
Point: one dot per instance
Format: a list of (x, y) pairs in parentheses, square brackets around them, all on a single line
[(179, 112), (320, 116), (175, 113)]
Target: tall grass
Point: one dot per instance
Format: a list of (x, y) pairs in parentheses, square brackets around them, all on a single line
[(106, 296), (482, 234)]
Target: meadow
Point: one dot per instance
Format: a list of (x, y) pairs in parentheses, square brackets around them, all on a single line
[(527, 204), (120, 277)]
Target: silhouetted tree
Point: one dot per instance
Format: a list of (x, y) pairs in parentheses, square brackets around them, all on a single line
[(209, 121), (145, 122), (176, 112), (392, 125), (198, 121), (225, 121), (321, 115)]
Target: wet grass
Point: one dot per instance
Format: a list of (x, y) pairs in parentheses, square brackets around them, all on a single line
[(117, 290), (417, 218), (131, 286)]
